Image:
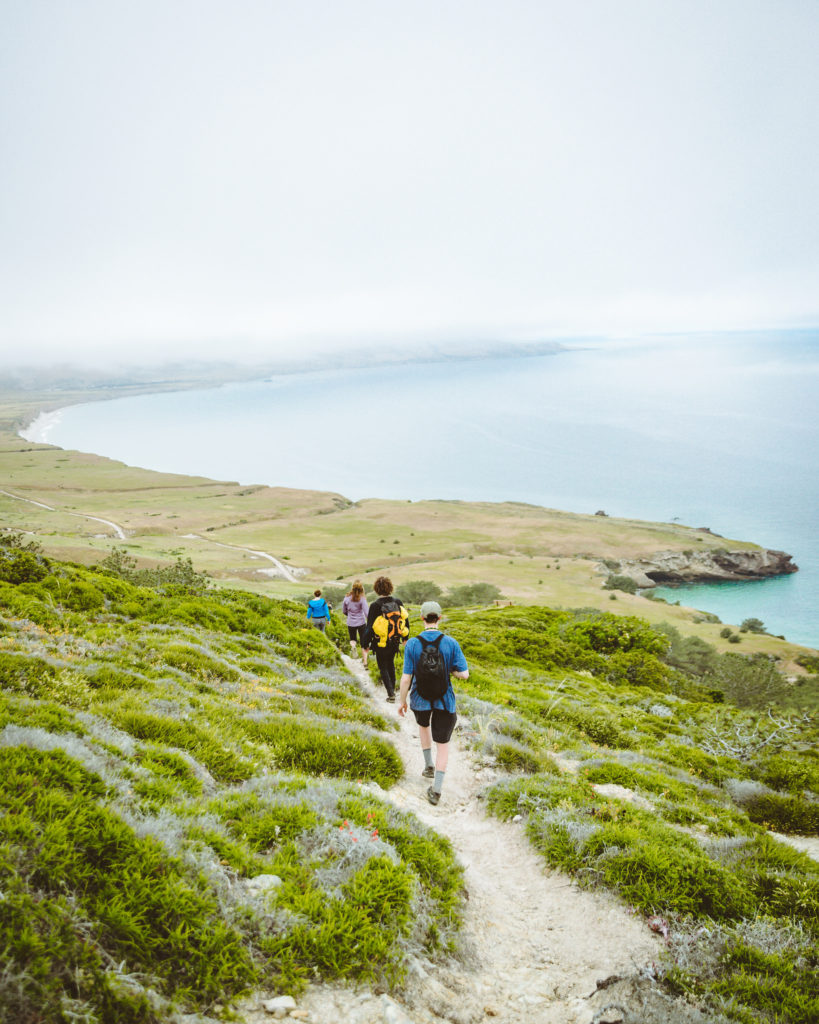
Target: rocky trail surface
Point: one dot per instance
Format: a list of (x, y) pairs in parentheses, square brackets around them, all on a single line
[(537, 948)]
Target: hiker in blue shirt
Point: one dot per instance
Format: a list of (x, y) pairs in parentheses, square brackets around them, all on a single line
[(436, 719), (318, 611)]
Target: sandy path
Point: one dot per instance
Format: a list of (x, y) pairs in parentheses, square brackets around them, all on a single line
[(537, 943), (283, 570), (118, 530)]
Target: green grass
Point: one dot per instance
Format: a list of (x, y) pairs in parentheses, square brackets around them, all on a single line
[(161, 746), (681, 839)]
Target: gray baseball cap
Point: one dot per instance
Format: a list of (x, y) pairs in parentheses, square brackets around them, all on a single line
[(430, 609)]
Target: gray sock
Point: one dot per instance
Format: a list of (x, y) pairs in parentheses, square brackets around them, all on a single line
[(427, 752), (438, 784)]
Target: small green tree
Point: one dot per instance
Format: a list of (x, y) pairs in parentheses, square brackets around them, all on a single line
[(418, 591), (470, 594), (752, 626), (617, 582)]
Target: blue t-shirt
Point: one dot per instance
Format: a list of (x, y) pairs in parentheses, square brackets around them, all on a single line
[(455, 662)]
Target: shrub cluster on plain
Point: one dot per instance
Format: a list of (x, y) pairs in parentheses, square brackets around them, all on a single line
[(190, 780)]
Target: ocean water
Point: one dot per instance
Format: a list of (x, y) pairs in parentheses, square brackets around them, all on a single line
[(719, 431)]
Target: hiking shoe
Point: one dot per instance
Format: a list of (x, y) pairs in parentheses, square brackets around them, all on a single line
[(391, 698), (432, 796), (428, 772)]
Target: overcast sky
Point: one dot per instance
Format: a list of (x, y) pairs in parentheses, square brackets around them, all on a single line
[(235, 177)]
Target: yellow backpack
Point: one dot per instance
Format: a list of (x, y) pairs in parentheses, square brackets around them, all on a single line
[(391, 624)]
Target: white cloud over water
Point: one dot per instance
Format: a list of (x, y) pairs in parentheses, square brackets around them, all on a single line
[(197, 177)]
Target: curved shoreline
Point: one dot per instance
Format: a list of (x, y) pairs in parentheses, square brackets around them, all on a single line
[(38, 429)]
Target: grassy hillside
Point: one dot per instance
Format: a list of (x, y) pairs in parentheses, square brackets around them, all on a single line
[(167, 748), (186, 805)]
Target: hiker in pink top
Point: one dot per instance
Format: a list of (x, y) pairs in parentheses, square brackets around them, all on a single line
[(355, 609)]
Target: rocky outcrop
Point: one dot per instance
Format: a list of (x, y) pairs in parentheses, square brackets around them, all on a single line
[(669, 568)]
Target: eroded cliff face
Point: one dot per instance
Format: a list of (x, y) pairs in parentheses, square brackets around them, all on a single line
[(670, 567)]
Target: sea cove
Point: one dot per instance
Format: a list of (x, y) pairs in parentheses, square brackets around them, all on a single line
[(714, 431)]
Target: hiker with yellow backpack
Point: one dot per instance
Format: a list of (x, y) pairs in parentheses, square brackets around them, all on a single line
[(388, 628)]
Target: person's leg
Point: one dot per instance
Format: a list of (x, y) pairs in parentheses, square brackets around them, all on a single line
[(391, 666), (384, 658), (351, 632), (443, 725), (441, 759), (425, 736)]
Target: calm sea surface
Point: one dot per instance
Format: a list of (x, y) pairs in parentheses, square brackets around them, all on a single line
[(719, 431)]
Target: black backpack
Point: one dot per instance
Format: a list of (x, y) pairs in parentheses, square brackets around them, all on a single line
[(431, 673)]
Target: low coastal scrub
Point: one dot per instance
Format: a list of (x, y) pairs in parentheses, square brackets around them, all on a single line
[(189, 805), (658, 789), (190, 793)]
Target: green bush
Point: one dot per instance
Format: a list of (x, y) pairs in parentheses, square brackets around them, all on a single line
[(22, 567), (624, 583), (791, 814), (149, 912), (607, 633), (298, 745), (752, 626), (418, 591), (469, 594), (659, 871)]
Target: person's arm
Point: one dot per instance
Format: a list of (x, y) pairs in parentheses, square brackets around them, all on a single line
[(410, 654), (406, 681), (460, 669), (372, 614)]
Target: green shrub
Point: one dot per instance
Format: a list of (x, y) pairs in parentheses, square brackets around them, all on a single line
[(789, 772), (607, 633), (298, 745), (752, 626), (150, 913), (469, 594), (658, 871), (791, 814), (624, 583), (418, 591), (22, 567), (205, 745)]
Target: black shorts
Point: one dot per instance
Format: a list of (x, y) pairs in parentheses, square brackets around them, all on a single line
[(443, 723), (360, 631)]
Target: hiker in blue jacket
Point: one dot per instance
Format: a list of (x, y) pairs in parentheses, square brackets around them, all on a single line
[(436, 719), (319, 611)]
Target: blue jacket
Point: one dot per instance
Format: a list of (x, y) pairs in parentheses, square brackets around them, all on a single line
[(317, 609)]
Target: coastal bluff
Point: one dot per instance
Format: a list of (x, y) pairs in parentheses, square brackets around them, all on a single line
[(710, 566)]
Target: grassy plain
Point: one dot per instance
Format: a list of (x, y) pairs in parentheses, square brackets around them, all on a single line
[(533, 555)]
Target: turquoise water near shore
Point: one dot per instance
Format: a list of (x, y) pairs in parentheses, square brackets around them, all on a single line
[(719, 431)]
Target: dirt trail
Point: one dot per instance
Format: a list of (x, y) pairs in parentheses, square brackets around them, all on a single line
[(538, 945), (118, 530)]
